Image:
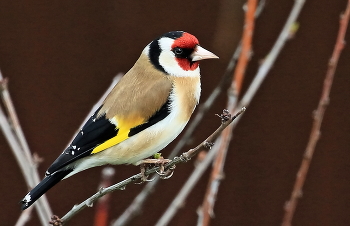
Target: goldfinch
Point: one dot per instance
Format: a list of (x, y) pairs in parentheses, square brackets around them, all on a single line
[(144, 112)]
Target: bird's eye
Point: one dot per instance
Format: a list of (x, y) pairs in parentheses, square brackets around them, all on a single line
[(178, 51)]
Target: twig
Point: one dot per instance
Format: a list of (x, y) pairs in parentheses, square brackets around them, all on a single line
[(22, 162), (183, 158), (206, 211), (24, 217), (136, 205), (6, 98), (101, 216), (290, 205), (246, 46), (273, 54), (15, 137), (186, 188), (191, 181), (11, 139)]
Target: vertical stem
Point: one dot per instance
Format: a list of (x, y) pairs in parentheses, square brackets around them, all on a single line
[(291, 205), (206, 211), (102, 207)]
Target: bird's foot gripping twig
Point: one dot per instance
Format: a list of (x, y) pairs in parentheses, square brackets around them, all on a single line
[(165, 174), (144, 177)]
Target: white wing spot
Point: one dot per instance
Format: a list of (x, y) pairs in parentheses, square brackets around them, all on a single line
[(72, 152), (74, 147), (78, 149), (27, 198), (82, 132), (94, 119)]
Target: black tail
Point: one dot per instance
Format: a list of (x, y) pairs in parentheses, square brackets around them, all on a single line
[(47, 183)]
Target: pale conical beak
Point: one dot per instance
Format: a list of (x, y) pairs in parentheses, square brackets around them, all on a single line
[(200, 54)]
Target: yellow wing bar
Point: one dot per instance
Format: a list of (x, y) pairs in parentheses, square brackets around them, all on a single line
[(123, 126)]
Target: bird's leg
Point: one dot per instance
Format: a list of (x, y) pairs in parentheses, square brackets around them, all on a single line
[(144, 178)]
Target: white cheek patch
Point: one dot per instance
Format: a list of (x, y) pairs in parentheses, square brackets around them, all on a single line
[(146, 50), (168, 62)]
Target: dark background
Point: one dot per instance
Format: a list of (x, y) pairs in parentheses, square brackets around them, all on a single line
[(60, 56)]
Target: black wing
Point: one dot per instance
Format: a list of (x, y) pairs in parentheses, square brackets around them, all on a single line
[(95, 131)]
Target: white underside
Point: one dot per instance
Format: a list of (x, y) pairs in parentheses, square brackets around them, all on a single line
[(140, 146)]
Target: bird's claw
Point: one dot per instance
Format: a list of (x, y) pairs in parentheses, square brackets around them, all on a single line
[(144, 178), (165, 174)]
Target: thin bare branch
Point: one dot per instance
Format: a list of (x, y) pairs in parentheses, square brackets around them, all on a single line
[(181, 159), (102, 208), (207, 208), (246, 46), (6, 98), (25, 216), (191, 181), (28, 164), (178, 201), (291, 205), (15, 137), (273, 54)]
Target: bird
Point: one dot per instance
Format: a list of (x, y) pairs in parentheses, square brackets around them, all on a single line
[(145, 111)]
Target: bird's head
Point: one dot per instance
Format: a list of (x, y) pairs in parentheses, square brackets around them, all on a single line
[(177, 53)]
